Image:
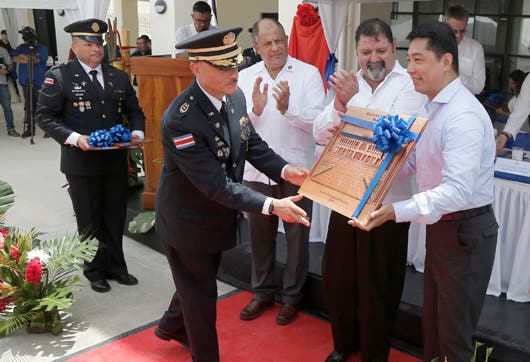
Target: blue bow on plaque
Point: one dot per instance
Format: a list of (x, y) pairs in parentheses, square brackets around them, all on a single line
[(390, 133), (104, 138)]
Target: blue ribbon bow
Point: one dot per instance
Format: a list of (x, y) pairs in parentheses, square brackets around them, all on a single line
[(391, 133), (104, 138)]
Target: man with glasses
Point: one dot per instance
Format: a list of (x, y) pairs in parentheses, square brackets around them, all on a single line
[(472, 67), (201, 16)]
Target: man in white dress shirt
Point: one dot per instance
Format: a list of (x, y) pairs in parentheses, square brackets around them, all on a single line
[(516, 120), (364, 272), (472, 68), (283, 97), (202, 17), (453, 162)]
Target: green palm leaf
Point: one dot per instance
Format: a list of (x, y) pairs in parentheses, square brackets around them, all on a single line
[(59, 300), (7, 197), (69, 252), (14, 321), (142, 223)]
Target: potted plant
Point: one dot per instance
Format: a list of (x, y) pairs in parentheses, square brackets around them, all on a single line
[(37, 277)]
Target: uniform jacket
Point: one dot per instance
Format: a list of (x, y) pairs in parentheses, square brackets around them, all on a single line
[(70, 102), (200, 186)]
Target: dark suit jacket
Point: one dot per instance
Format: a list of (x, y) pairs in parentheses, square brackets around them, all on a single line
[(200, 186), (69, 101)]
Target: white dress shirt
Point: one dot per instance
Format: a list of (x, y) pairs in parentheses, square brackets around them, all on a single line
[(74, 136), (453, 158), (521, 109), (290, 135), (185, 32), (471, 65), (394, 95)]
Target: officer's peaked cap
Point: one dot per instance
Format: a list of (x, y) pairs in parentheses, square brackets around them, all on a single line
[(91, 30), (218, 47)]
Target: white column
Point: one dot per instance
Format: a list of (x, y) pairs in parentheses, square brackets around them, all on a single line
[(163, 26), (286, 12)]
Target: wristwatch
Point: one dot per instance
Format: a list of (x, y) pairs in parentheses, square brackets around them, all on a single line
[(271, 207)]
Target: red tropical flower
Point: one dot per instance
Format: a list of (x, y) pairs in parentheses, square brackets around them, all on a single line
[(14, 252), (3, 232), (3, 303), (34, 271)]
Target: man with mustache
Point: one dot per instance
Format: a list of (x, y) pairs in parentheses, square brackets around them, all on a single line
[(364, 271), (207, 137)]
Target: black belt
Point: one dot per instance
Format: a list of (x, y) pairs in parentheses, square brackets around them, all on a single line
[(466, 214)]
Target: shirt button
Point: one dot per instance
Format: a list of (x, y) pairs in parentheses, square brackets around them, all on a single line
[(234, 165), (104, 116)]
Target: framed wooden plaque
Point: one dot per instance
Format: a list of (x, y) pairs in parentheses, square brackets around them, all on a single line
[(351, 176)]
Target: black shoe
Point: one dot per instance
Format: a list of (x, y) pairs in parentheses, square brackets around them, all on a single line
[(336, 357), (126, 279), (166, 336), (13, 133), (46, 135), (100, 286)]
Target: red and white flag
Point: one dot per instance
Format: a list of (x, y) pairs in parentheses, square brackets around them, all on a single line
[(183, 142)]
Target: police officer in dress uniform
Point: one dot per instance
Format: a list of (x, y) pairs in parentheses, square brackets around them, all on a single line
[(78, 98), (207, 137)]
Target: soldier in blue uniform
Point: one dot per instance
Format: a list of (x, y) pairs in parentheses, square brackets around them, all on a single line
[(78, 98), (207, 137)]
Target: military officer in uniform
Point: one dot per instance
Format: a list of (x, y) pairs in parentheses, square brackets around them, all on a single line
[(207, 137), (78, 98)]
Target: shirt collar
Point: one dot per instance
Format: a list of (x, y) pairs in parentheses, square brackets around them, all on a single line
[(87, 69), (289, 66), (217, 103), (448, 92)]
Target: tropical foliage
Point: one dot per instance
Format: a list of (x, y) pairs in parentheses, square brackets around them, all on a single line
[(37, 277)]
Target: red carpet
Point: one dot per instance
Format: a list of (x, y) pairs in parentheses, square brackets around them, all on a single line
[(261, 340)]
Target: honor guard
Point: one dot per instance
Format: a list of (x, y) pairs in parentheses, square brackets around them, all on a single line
[(78, 98)]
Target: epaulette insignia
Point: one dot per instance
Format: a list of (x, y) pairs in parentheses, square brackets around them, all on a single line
[(184, 108)]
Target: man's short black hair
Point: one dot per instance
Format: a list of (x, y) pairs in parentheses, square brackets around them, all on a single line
[(457, 12), (3, 32), (145, 38), (202, 7), (373, 28), (441, 39)]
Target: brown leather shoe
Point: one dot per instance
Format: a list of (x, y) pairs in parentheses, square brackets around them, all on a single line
[(254, 309), (286, 314)]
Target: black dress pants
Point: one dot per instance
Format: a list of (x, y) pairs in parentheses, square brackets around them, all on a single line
[(100, 206), (363, 279), (193, 307)]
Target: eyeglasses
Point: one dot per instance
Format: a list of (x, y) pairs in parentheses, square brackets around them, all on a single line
[(202, 21)]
